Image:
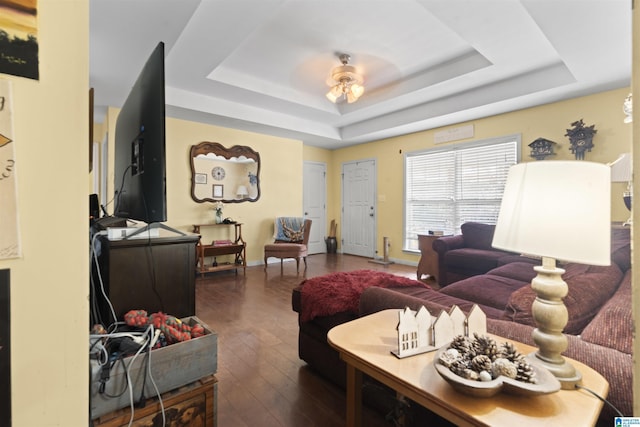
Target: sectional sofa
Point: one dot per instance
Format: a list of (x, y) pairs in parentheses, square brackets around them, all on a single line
[(599, 304)]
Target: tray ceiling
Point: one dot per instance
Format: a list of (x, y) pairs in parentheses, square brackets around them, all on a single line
[(264, 65)]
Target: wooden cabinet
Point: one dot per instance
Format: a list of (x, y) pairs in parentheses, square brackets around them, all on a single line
[(236, 247), (428, 257), (192, 405), (154, 274)]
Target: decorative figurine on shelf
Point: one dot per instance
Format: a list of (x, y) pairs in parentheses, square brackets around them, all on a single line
[(581, 138), (218, 209), (541, 148)]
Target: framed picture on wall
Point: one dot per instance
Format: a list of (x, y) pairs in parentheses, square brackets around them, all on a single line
[(200, 178), (218, 192)]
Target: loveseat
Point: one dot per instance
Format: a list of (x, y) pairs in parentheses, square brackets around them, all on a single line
[(599, 331), (467, 254)]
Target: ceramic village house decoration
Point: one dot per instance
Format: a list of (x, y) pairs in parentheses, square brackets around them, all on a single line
[(419, 332)]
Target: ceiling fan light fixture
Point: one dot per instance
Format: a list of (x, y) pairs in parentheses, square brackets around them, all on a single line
[(357, 90), (348, 82), (334, 93)]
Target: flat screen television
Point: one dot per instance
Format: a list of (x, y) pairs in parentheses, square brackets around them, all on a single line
[(139, 168)]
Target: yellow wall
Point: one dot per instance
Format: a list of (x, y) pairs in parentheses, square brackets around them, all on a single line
[(280, 182), (282, 165), (49, 283), (549, 121)]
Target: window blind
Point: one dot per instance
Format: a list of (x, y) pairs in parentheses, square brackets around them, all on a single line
[(445, 188)]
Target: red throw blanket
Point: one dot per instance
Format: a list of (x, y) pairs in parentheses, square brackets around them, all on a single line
[(339, 292)]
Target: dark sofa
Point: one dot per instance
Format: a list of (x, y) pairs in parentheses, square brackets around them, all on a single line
[(599, 305), (467, 254)]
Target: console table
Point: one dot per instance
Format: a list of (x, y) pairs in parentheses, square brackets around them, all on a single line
[(365, 345), (237, 248)]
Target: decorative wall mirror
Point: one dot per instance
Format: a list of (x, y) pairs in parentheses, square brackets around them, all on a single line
[(229, 175)]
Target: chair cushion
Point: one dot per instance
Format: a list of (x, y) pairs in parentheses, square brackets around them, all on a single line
[(471, 259), (590, 287), (285, 250), (478, 235), (621, 248), (613, 325), (289, 229), (488, 290)]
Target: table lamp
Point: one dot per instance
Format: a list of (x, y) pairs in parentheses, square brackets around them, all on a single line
[(242, 192), (556, 210), (621, 172)]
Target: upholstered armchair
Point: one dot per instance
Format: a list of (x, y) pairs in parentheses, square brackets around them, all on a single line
[(291, 239)]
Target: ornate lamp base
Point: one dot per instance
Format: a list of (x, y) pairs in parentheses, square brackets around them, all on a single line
[(551, 317)]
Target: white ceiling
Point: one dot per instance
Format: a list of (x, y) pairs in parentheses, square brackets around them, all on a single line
[(264, 65)]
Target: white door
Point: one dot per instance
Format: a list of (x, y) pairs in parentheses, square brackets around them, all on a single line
[(359, 208), (315, 205)]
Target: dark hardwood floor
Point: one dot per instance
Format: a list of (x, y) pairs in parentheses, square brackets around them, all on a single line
[(262, 382)]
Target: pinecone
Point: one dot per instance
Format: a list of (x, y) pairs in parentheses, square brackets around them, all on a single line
[(485, 345), (463, 345), (450, 356), (481, 363), (508, 351), (504, 367), (459, 367), (525, 372), (470, 374)]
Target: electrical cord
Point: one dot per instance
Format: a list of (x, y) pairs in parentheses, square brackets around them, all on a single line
[(95, 257), (152, 263), (95, 315), (121, 360), (146, 340), (117, 198), (151, 344), (148, 345), (142, 400), (137, 337), (620, 414), (130, 384)]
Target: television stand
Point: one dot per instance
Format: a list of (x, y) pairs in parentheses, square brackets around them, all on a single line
[(153, 226), (146, 274)]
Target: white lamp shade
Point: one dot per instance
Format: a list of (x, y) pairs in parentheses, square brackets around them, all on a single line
[(557, 209), (242, 191), (621, 168)]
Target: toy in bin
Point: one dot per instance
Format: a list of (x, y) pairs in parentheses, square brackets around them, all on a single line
[(173, 329)]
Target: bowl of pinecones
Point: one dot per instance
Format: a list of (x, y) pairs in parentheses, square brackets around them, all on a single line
[(479, 366)]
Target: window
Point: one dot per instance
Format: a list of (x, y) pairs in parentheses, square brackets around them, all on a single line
[(445, 187)]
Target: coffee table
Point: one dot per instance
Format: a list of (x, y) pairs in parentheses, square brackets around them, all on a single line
[(365, 345)]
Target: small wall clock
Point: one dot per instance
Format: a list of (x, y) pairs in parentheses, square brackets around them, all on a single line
[(580, 138), (218, 173), (541, 148)]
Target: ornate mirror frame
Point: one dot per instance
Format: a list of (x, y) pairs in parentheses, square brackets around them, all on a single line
[(220, 174)]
